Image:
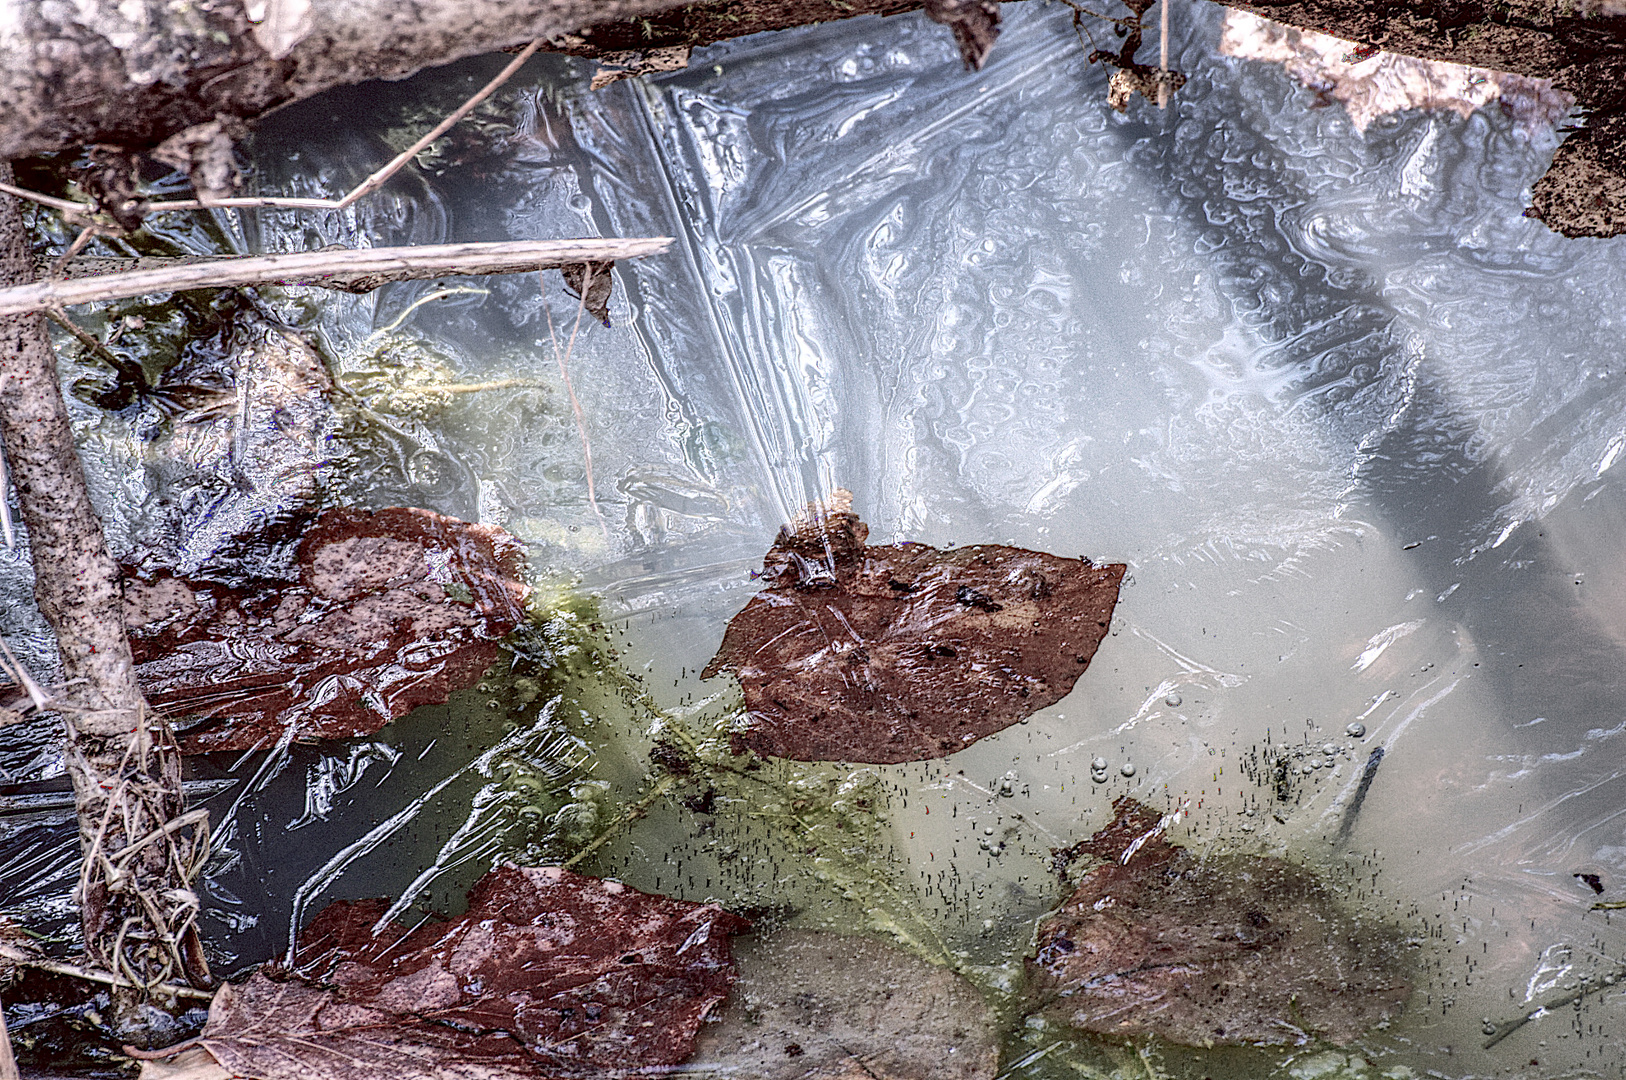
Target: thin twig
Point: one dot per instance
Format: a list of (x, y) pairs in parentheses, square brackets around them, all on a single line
[(64, 205), (125, 368), (19, 674), (5, 504), (576, 406), (351, 269), (107, 978), (86, 235)]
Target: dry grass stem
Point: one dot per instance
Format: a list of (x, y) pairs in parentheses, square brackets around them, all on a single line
[(13, 668), (350, 269), (13, 955), (563, 359)]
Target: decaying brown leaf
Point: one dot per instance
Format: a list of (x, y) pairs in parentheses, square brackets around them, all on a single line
[(392, 609), (814, 1006), (547, 976), (1230, 949), (903, 652)]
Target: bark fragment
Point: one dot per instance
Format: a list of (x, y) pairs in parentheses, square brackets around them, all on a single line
[(1580, 47)]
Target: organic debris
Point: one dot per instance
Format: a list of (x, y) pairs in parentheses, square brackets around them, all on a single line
[(1370, 84), (1229, 949), (975, 24), (904, 652), (393, 609), (1130, 77), (822, 1005), (547, 975), (595, 276)]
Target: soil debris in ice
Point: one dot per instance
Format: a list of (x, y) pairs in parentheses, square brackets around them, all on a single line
[(827, 1007)]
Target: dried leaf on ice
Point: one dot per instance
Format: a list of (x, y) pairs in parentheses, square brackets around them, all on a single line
[(814, 1005), (393, 609), (1223, 950), (596, 276), (547, 975), (903, 652)]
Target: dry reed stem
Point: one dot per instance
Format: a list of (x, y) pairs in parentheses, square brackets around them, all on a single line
[(351, 269), (575, 405)]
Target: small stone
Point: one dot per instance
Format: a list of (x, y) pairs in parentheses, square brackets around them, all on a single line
[(1355, 730)]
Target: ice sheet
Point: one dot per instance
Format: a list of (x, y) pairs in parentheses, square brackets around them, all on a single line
[(1354, 422)]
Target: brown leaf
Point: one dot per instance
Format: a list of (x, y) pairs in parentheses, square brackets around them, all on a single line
[(975, 24), (905, 652), (393, 609), (1228, 949), (596, 275), (815, 1006), (547, 975)]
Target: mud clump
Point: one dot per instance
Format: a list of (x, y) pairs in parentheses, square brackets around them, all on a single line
[(1226, 950)]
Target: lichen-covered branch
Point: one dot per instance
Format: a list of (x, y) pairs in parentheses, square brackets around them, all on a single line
[(137, 907)]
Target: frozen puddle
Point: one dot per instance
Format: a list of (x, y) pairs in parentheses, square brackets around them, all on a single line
[(1352, 421)]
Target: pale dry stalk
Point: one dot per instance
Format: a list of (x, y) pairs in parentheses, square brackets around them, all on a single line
[(563, 359)]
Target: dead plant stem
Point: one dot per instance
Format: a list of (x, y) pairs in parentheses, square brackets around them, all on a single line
[(8, 1062), (576, 406), (349, 269), (79, 971)]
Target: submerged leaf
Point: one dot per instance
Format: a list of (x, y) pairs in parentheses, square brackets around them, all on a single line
[(393, 609), (814, 1005), (1230, 949), (903, 652), (547, 975)]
